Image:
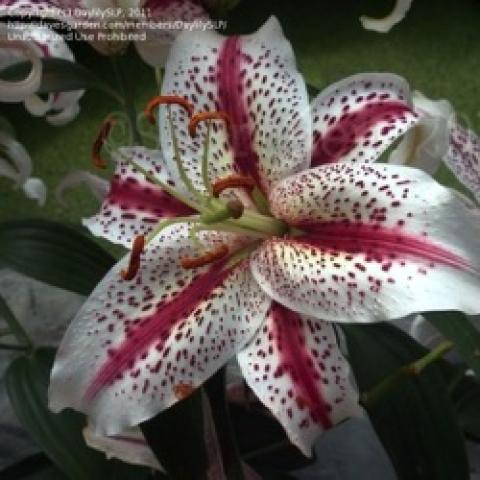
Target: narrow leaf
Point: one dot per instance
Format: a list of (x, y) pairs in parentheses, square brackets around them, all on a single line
[(59, 435), (59, 75), (53, 253), (457, 328), (416, 420)]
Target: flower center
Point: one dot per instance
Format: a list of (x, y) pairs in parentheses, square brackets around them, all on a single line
[(214, 212)]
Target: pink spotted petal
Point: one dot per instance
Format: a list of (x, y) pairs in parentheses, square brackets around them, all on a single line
[(296, 368), (463, 157), (134, 205), (380, 242), (254, 80), (137, 347), (129, 446), (358, 118)]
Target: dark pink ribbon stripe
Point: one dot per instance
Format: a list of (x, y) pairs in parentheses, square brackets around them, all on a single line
[(296, 361), (377, 243), (350, 128), (232, 101), (131, 195), (155, 329)]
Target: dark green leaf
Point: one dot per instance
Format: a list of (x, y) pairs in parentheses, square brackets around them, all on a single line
[(416, 421), (177, 438), (456, 327), (58, 75), (53, 253), (35, 467), (14, 326), (468, 411), (215, 389), (59, 435)]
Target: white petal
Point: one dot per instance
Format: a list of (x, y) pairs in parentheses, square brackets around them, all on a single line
[(357, 118), (297, 370), (64, 116), (137, 347), (255, 81), (383, 25), (134, 205), (379, 242), (129, 446), (427, 142), (38, 107), (18, 155), (98, 186), (19, 90), (36, 189)]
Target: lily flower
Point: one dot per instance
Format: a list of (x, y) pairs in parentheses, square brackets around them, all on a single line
[(263, 223), (385, 24), (16, 165), (32, 42), (108, 25), (439, 137)]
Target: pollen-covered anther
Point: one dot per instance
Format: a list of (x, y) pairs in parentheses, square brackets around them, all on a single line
[(103, 134), (206, 116), (205, 259), (183, 390), (232, 181), (134, 262), (166, 100)]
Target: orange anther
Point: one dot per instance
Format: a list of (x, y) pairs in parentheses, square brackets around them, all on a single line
[(205, 259), (232, 181), (102, 136), (204, 116), (183, 390), (134, 263), (166, 100)]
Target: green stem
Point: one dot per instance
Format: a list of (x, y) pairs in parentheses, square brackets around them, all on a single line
[(178, 160), (413, 369), (159, 78), (206, 151), (128, 95), (163, 224), (261, 223)]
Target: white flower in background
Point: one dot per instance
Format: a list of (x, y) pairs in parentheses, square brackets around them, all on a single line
[(36, 42), (438, 137), (151, 24), (98, 186), (384, 25), (16, 164)]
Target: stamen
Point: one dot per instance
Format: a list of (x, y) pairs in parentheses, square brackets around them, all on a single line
[(102, 136), (209, 257), (134, 263), (232, 181), (204, 116), (166, 100)]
